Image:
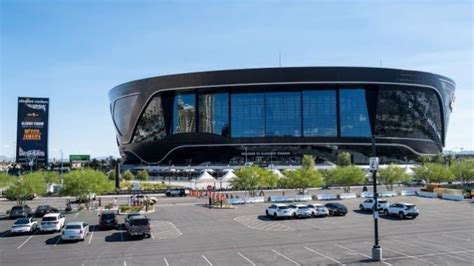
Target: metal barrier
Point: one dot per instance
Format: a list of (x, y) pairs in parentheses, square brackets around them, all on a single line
[(407, 192), (347, 196), (387, 194), (426, 194), (326, 197), (452, 197)]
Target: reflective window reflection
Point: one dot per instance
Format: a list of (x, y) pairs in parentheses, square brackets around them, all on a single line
[(319, 113), (283, 114), (184, 113), (123, 113), (151, 125), (353, 113), (408, 113), (248, 115), (214, 113)]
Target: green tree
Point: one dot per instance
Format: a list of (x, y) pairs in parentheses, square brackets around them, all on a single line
[(433, 172), (346, 176), (6, 180), (305, 177), (49, 177), (391, 175), (247, 179), (463, 170), (84, 182), (127, 175), (142, 175), (26, 186), (344, 159), (111, 175), (267, 178)]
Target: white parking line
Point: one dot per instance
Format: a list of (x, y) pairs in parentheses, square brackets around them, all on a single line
[(327, 257), (419, 247), (124, 263), (458, 238), (57, 241), (204, 257), (406, 255), (28, 239), (247, 259), (365, 255), (77, 213), (92, 234), (290, 260), (153, 237), (166, 262), (432, 254)]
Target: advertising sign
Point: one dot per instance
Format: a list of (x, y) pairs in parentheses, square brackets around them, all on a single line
[(32, 130)]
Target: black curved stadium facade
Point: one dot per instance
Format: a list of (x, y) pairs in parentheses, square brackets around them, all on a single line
[(275, 115)]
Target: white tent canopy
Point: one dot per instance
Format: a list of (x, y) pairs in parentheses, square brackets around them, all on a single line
[(205, 177), (228, 176), (277, 173)]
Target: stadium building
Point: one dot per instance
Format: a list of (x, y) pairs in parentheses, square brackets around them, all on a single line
[(275, 115)]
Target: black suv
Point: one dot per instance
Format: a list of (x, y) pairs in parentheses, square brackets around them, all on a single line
[(41, 210), (336, 209), (108, 219), (179, 192), (21, 211)]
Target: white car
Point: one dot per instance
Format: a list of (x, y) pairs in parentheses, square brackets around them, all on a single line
[(280, 210), (52, 222), (368, 205), (24, 225), (318, 210), (301, 211), (402, 210), (75, 231)]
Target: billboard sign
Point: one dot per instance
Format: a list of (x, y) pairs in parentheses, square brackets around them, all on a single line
[(32, 130)]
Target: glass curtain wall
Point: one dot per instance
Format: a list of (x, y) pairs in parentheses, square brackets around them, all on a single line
[(283, 114), (247, 115), (319, 113), (353, 113), (151, 125), (214, 113), (184, 113)]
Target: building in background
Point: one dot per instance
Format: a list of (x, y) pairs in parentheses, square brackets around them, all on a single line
[(275, 115)]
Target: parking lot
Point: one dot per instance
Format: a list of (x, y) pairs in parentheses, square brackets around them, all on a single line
[(184, 232)]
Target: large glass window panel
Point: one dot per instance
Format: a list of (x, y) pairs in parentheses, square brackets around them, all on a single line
[(408, 113), (214, 113), (123, 113), (319, 113), (283, 114), (248, 115), (353, 113), (184, 113), (151, 125)]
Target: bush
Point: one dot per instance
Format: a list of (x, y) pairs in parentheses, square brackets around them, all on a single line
[(109, 206)]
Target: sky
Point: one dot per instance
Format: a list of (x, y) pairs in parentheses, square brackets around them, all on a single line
[(74, 52)]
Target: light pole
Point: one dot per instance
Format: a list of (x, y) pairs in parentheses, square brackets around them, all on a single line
[(374, 164), (62, 176), (245, 148)]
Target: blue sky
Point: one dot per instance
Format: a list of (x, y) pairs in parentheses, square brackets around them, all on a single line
[(75, 51)]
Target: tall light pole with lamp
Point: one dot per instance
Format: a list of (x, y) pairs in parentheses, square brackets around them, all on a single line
[(374, 165)]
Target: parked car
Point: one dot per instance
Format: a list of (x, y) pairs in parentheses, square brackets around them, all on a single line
[(20, 211), (52, 222), (300, 210), (108, 219), (279, 210), (24, 225), (335, 208), (139, 226), (75, 231), (402, 210), (41, 210), (127, 218), (318, 210), (175, 192), (368, 204)]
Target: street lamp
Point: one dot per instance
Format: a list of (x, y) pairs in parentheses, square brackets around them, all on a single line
[(374, 164), (62, 176)]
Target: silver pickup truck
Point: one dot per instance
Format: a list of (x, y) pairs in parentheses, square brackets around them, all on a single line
[(139, 226)]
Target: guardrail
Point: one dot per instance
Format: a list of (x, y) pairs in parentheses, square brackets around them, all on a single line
[(366, 194), (408, 192), (452, 197), (387, 194), (347, 196), (426, 194), (306, 197), (326, 197)]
